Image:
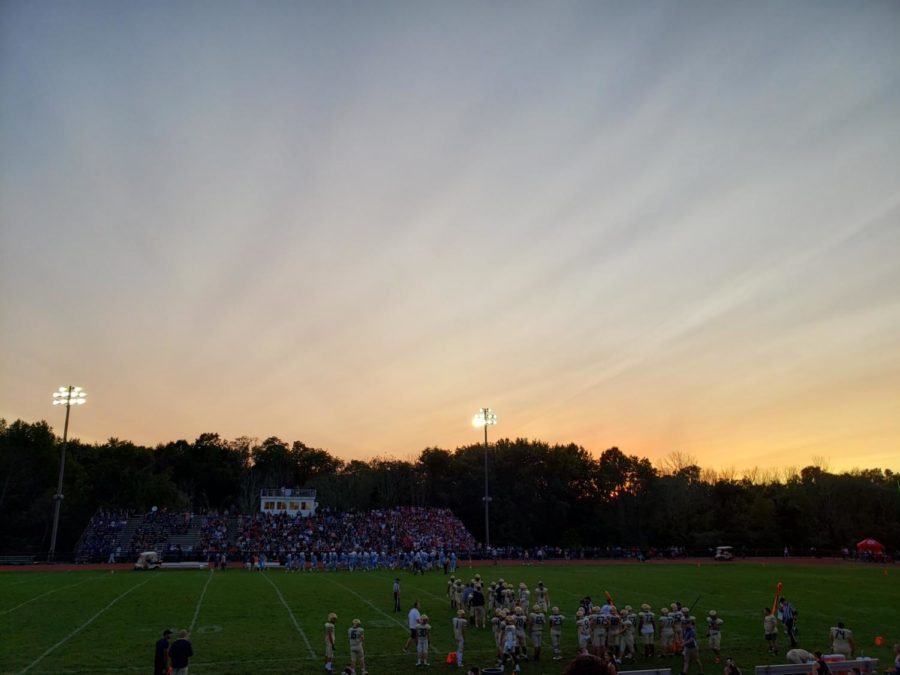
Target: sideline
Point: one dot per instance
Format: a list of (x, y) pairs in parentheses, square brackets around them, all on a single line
[(83, 626), (92, 670), (291, 614)]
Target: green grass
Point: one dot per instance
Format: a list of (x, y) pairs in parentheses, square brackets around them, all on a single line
[(96, 622)]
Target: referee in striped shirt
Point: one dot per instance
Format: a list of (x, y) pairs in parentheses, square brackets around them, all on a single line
[(788, 617)]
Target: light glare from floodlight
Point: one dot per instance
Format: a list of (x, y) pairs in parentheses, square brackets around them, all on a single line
[(69, 396), (484, 417)]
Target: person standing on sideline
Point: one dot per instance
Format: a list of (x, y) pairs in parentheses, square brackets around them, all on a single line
[(459, 634), (356, 636), (478, 607), (789, 619), (161, 658), (423, 632), (556, 622), (413, 623), (691, 648), (770, 630), (397, 594), (180, 651), (714, 632), (329, 641)]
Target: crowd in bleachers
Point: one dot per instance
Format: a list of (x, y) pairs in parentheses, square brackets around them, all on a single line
[(155, 529), (101, 537), (387, 531), (213, 533)]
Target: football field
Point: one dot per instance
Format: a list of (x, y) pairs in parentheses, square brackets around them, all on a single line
[(271, 622)]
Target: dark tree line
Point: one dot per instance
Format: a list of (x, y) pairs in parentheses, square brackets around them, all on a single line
[(556, 495)]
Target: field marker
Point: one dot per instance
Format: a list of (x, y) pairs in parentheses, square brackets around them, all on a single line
[(291, 614), (200, 601), (84, 625), (55, 590), (402, 625)]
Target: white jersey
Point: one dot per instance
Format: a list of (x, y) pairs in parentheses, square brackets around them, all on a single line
[(509, 638), (459, 627), (413, 618), (840, 640), (584, 628)]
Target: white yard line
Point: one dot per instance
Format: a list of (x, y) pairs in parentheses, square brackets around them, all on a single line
[(55, 590), (402, 625), (436, 597), (83, 626), (32, 576), (568, 592), (293, 618), (200, 602)]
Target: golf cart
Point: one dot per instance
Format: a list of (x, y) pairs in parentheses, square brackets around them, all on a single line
[(148, 560), (723, 553)]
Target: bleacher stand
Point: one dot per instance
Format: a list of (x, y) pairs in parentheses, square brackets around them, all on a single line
[(101, 537), (155, 528)]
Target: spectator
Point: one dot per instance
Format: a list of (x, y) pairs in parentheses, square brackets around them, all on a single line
[(731, 667), (180, 651), (161, 657), (820, 667)]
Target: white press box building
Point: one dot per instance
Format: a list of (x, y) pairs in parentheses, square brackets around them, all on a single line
[(288, 500)]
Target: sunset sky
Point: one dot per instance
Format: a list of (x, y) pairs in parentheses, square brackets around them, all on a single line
[(662, 226)]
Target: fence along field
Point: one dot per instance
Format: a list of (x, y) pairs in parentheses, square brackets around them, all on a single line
[(271, 622)]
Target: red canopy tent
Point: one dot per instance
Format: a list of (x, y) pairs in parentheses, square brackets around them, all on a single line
[(870, 546)]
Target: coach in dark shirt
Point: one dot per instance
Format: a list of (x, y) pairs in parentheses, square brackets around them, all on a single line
[(161, 658), (478, 606), (180, 652)]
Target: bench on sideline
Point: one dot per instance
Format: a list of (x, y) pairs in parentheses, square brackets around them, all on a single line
[(864, 666), (16, 559)]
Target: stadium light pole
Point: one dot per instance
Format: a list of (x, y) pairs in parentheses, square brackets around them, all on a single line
[(486, 418), (67, 396)]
